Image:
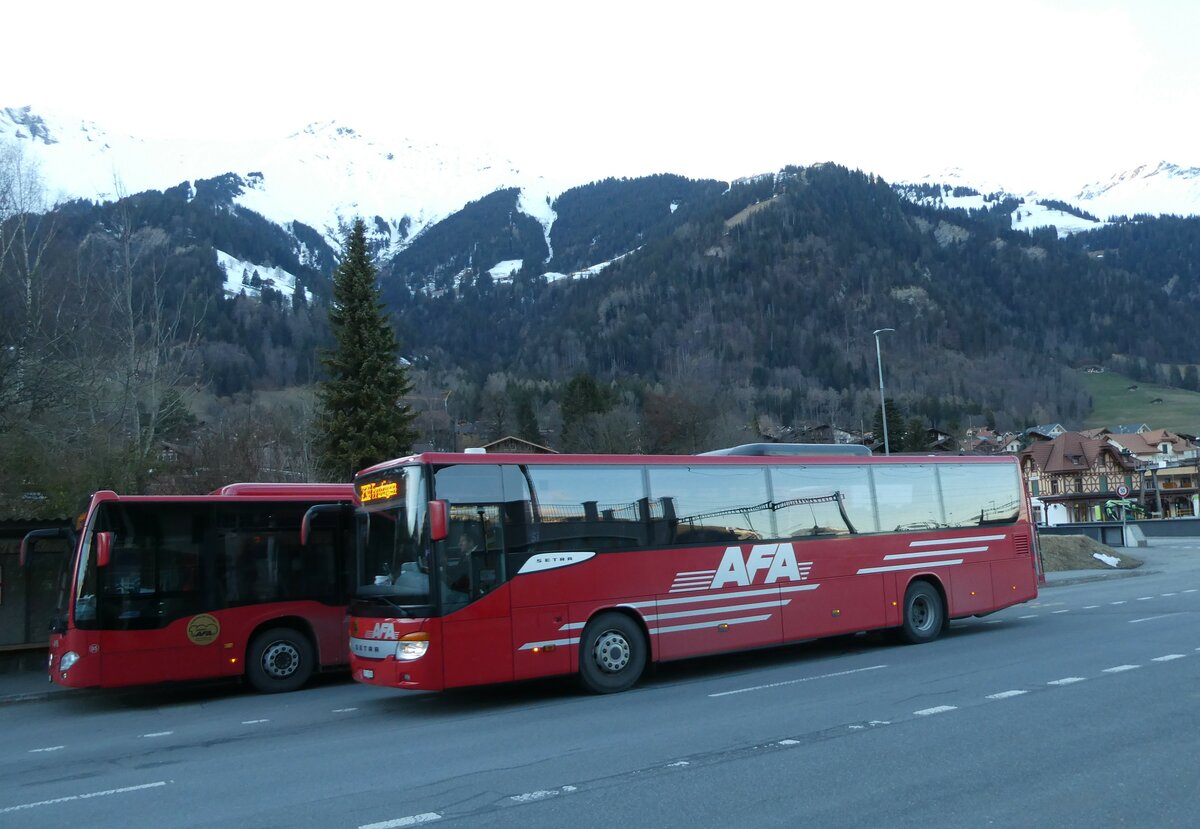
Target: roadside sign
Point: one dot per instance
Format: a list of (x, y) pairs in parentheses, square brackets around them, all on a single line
[(1122, 490)]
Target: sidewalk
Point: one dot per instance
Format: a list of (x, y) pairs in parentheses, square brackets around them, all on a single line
[(27, 685)]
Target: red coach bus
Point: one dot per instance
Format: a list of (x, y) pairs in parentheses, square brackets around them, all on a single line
[(490, 568), (170, 588)]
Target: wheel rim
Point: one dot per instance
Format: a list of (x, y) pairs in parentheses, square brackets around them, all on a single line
[(921, 614), (611, 652), (281, 660)]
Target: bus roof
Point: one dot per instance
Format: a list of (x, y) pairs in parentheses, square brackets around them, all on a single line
[(448, 458), (269, 490), (793, 449)]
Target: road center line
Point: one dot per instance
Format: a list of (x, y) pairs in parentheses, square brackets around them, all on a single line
[(1119, 668), (48, 748), (159, 734), (1030, 616), (1090, 606), (1067, 680), (1006, 694), (1120, 602), (795, 681), (1150, 618), (72, 797), (938, 709), (1169, 657), (411, 820), (253, 722), (1055, 612)]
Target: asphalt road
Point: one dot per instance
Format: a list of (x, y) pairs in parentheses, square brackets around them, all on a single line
[(1078, 710)]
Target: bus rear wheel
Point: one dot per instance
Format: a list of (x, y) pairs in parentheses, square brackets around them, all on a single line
[(279, 660), (612, 653), (924, 613)]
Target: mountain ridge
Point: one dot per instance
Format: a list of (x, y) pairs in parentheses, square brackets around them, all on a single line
[(326, 173)]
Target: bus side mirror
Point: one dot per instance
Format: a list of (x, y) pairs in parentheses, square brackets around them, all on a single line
[(439, 520), (312, 512), (362, 527), (104, 542), (29, 542)]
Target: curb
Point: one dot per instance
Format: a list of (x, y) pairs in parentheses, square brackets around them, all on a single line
[(40, 696), (1100, 576)]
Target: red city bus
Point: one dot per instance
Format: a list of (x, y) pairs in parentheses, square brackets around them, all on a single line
[(165, 588), (490, 568)]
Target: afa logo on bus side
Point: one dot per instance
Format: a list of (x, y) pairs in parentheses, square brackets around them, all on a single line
[(203, 629), (777, 561)]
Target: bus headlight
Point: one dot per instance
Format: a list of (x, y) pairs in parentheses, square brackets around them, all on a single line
[(68, 659), (412, 646)]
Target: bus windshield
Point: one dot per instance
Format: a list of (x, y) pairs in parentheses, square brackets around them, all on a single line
[(395, 567)]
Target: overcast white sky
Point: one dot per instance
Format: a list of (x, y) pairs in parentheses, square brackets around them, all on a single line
[(1031, 92)]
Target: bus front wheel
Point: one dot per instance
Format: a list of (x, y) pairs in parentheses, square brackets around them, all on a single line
[(278, 660), (924, 613), (612, 653)]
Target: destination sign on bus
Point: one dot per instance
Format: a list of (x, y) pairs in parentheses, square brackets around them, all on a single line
[(378, 491)]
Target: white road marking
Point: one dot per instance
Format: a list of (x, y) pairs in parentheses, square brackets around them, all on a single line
[(1030, 616), (530, 797), (938, 709), (993, 621), (1162, 595), (411, 820), (1144, 598), (159, 734), (789, 742), (1168, 658), (48, 748), (1193, 590), (1056, 612), (1120, 668), (1090, 606), (1066, 680), (678, 764), (253, 722), (1120, 602), (344, 710), (795, 681), (87, 796), (1150, 618), (1006, 694)]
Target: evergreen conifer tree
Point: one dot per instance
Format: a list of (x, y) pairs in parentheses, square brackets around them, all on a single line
[(361, 418)]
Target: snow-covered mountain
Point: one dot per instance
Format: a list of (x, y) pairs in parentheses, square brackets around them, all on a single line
[(327, 173), (1147, 189), (1154, 189), (323, 175)]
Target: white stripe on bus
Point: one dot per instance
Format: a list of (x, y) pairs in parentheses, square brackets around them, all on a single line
[(957, 552), (968, 540), (917, 566)]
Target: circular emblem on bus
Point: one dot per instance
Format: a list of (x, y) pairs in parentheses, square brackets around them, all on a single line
[(203, 629)]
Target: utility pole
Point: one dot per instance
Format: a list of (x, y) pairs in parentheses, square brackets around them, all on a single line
[(882, 405)]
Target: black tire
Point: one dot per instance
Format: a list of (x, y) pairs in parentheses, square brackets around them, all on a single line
[(612, 653), (279, 660), (924, 614)]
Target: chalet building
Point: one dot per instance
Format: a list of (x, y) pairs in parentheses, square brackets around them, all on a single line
[(1072, 477), (1170, 464), (1046, 431), (518, 446)]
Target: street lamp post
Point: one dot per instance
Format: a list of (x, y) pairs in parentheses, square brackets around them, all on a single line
[(882, 406)]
